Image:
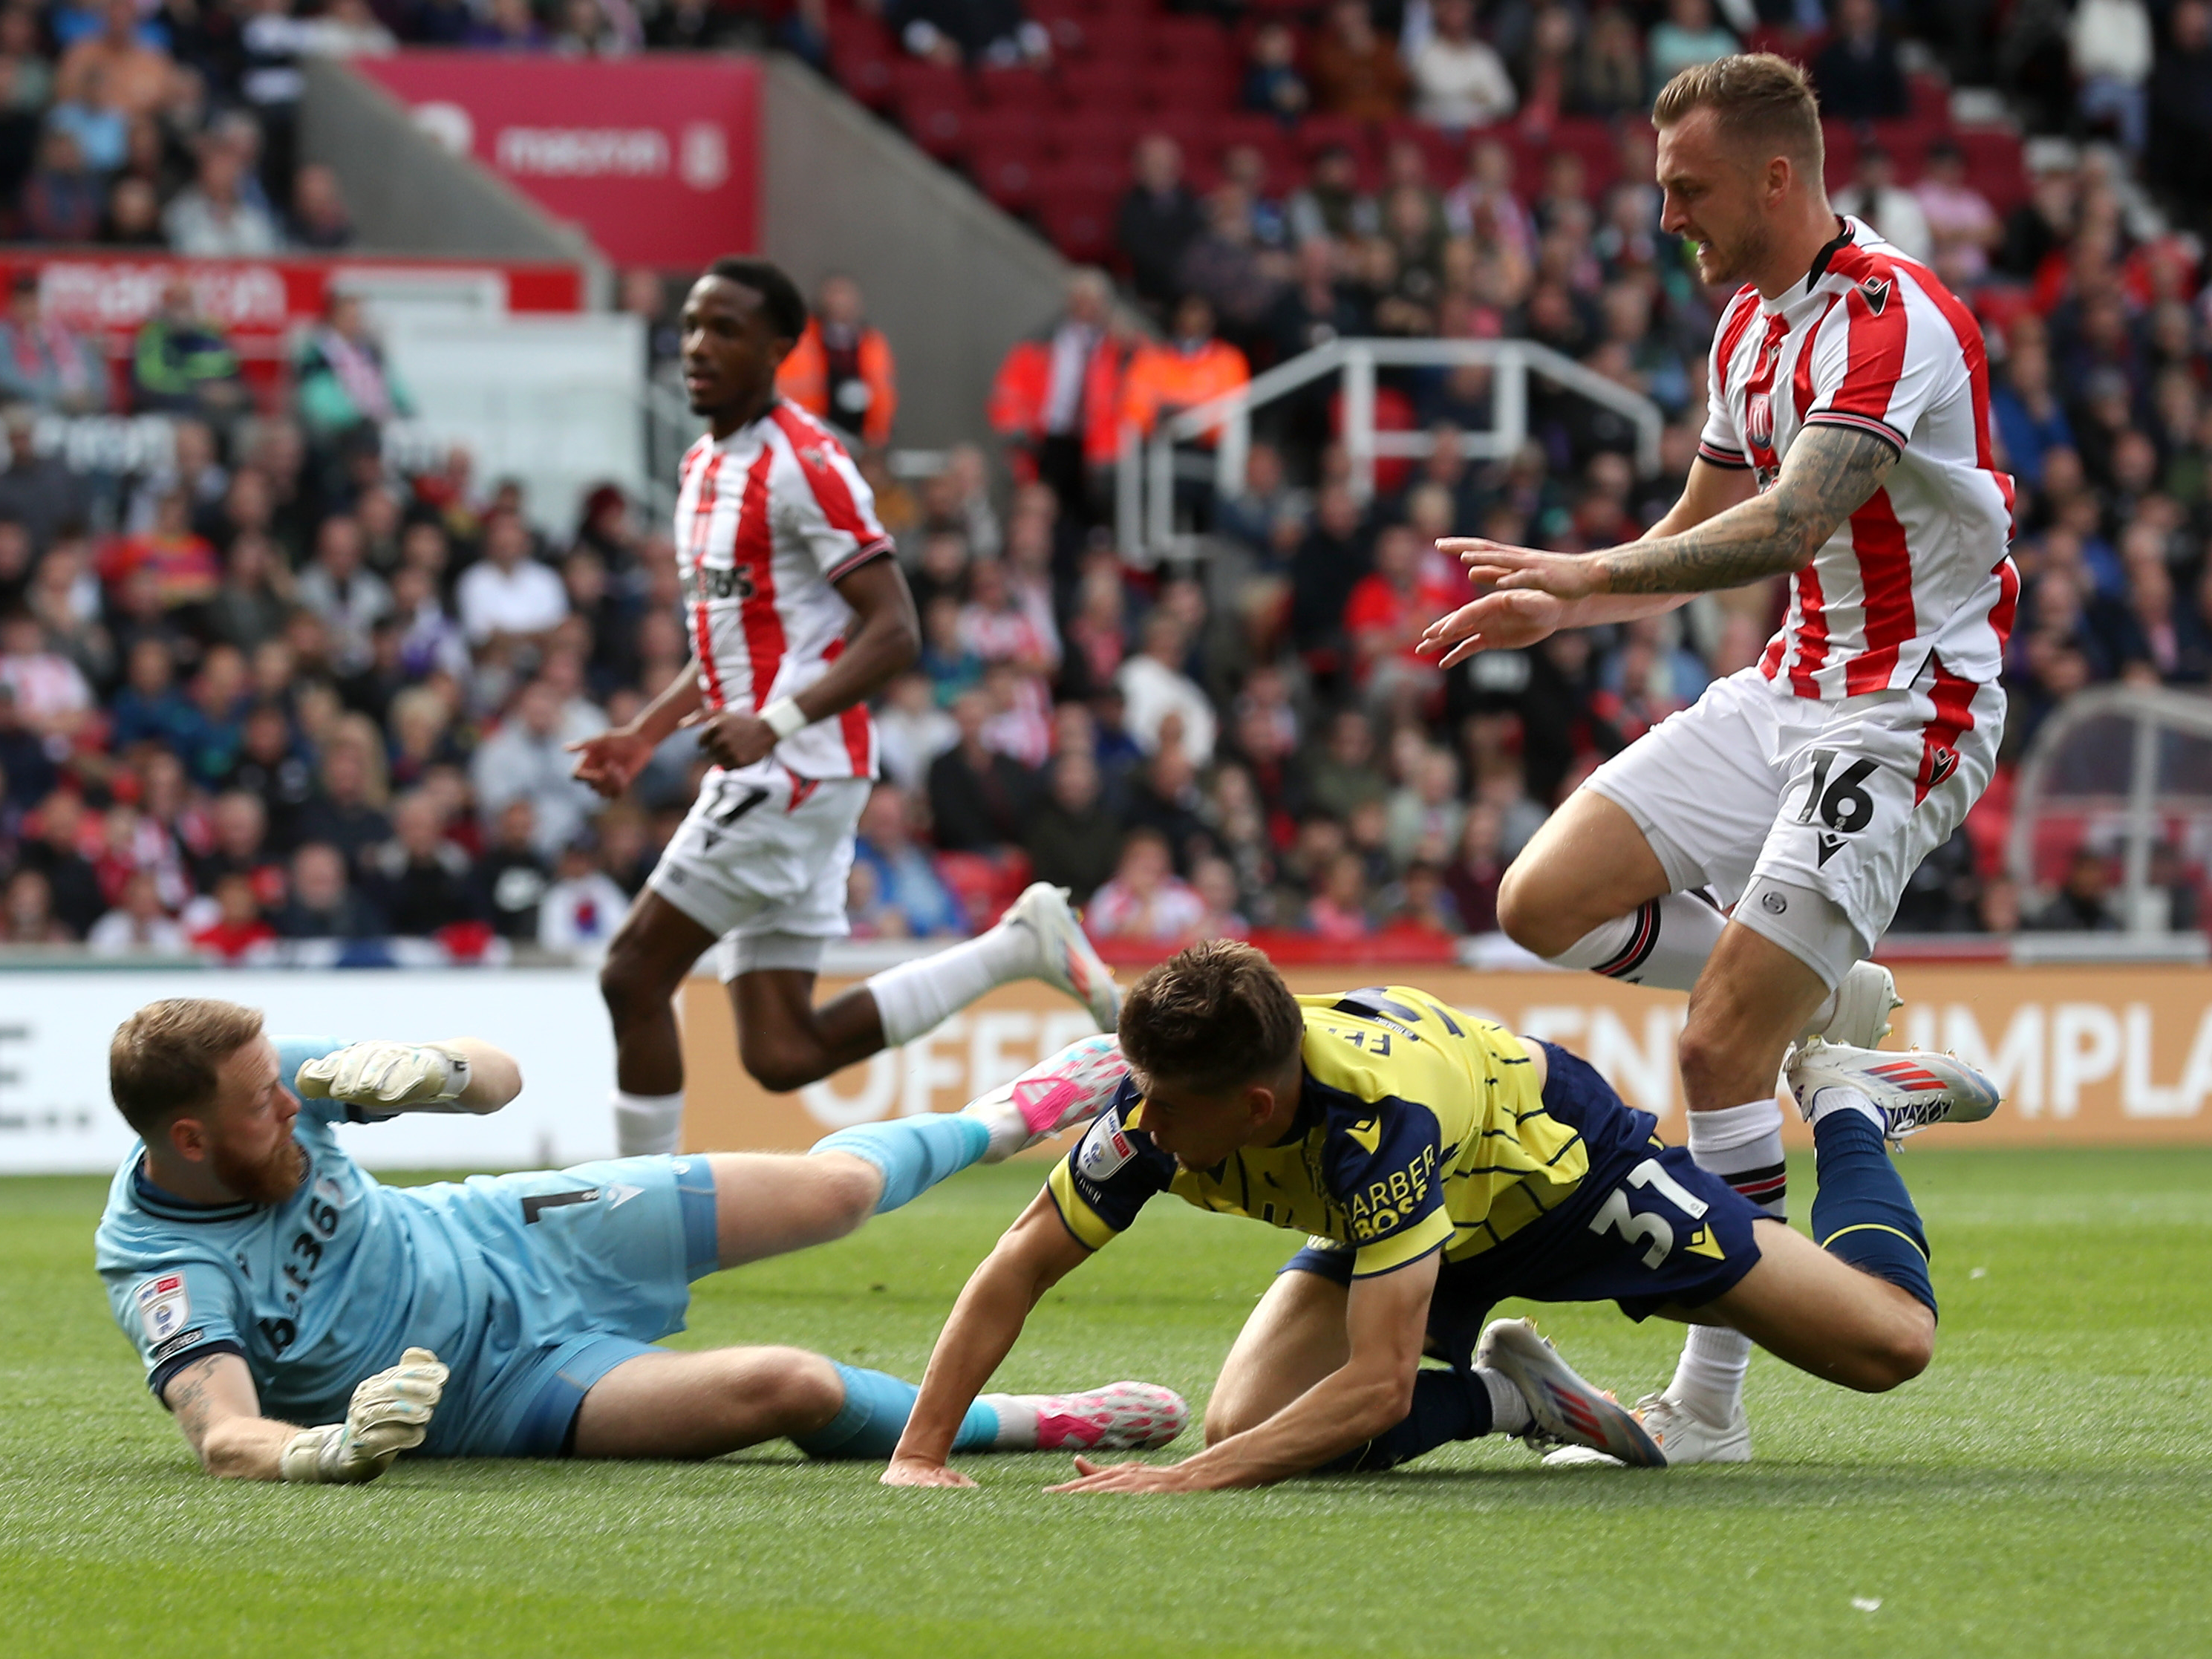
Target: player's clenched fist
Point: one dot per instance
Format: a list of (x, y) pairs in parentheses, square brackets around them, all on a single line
[(387, 1075), (390, 1414)]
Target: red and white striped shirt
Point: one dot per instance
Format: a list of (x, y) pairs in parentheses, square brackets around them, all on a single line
[(1872, 340), (767, 520)]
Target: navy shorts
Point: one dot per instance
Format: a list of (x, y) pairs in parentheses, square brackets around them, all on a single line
[(1647, 1228)]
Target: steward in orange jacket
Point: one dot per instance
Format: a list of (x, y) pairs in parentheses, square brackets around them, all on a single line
[(1168, 377), (841, 370)]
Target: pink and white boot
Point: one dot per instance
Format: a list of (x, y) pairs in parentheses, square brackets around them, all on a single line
[(1072, 1087), (1119, 1417)]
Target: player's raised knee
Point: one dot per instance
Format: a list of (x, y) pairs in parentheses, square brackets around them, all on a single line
[(1533, 918), (778, 1063)]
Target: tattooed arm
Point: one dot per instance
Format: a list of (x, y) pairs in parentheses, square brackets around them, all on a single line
[(219, 1410), (1830, 472)]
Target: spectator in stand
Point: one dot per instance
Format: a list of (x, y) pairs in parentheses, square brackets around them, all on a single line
[(583, 906), (214, 220), (343, 382), (348, 811), (42, 363), (1607, 83), (1055, 401), (1332, 206), (1963, 228), (1146, 902), (182, 562), (1354, 68), (1459, 79), (1388, 611), (137, 926), (1425, 813), (323, 903), (906, 883), (527, 758), (51, 695), (975, 33), (841, 370), (54, 839), (1341, 775), (320, 221), (1338, 912), (39, 492), (2180, 109), (1272, 84), (121, 68), (26, 913), (978, 797), (339, 588), (912, 730), (510, 877), (181, 364), (2082, 904), (1158, 219), (2111, 46), (2029, 419), (1327, 567), (63, 199), (1478, 866), (1690, 36), (133, 217), (1156, 690), (27, 773), (150, 708), (507, 597), (508, 25), (238, 932), (1874, 196), (421, 879), (1071, 839), (1857, 72)]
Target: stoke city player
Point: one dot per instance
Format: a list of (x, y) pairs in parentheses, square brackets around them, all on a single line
[(1440, 1164), (306, 1323), (1847, 446), (798, 613)]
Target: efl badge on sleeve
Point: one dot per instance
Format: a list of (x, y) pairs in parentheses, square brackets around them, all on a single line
[(164, 1305), (1104, 1149)]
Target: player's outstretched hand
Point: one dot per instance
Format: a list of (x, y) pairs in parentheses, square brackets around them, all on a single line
[(392, 1075), (731, 739), (920, 1472), (1128, 1477), (1508, 620), (390, 1414), (610, 761), (1493, 564)]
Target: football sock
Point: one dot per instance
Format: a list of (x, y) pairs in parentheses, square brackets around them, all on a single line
[(647, 1124), (1861, 1211), (1741, 1145), (869, 1423), (1664, 943), (1448, 1405), (921, 995), (913, 1154)]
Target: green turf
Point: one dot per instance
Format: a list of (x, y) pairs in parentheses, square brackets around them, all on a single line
[(2045, 1488)]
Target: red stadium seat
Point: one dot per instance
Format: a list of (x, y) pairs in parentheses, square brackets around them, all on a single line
[(1008, 177), (1120, 33), (938, 125), (1014, 88), (1079, 226), (1196, 87), (1191, 40), (1994, 165), (1932, 99), (1091, 84), (1085, 173), (864, 60)]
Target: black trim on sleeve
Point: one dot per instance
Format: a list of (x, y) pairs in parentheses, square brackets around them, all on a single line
[(158, 1379), (1723, 458), (1882, 429)]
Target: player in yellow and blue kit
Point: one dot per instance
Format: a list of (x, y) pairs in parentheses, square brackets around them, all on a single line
[(304, 1322), (1440, 1165)]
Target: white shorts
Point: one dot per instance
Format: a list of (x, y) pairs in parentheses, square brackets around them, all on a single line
[(762, 859), (1843, 799)]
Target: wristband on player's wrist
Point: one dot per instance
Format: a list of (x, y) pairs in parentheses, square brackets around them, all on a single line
[(784, 717)]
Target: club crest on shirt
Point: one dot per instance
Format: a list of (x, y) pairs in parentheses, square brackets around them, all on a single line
[(1105, 1149), (1876, 290), (1942, 762), (164, 1305), (1758, 419)]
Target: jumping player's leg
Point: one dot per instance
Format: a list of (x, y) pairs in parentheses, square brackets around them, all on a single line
[(646, 964)]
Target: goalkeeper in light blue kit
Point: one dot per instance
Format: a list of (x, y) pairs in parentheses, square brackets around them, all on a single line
[(304, 1321)]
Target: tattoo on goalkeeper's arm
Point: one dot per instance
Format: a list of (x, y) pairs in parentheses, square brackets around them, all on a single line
[(1830, 473)]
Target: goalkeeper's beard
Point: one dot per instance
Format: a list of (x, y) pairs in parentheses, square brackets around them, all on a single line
[(271, 1181)]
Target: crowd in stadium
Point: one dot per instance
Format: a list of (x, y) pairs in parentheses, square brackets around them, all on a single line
[(279, 691)]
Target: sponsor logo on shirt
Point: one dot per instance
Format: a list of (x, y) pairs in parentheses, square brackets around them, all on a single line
[(179, 1343), (1104, 1149), (164, 1305)]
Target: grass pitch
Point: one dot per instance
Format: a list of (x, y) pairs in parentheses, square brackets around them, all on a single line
[(2045, 1488)]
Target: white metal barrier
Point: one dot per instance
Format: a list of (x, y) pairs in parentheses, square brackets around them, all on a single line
[(2078, 764), (1145, 482)]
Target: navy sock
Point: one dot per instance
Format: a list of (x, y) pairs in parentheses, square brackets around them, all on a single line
[(1448, 1405), (874, 1415), (913, 1153), (1862, 1213)]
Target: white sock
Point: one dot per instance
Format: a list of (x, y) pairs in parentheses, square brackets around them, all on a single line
[(1742, 1145), (1709, 1380), (921, 995), (1663, 944), (1508, 1407), (1825, 1101), (647, 1124)]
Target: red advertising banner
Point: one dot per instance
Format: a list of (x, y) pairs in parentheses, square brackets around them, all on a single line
[(656, 157)]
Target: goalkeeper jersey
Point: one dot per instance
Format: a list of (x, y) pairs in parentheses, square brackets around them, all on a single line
[(1418, 1129), (331, 1285)]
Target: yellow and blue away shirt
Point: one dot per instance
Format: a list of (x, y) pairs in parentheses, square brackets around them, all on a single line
[(1418, 1129)]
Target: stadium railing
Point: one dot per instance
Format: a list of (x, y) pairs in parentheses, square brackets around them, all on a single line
[(1144, 486)]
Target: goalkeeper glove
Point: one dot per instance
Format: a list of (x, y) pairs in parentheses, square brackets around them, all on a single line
[(391, 1076), (390, 1414)]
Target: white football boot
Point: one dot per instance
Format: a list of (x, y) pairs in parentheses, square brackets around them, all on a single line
[(1863, 1003), (1065, 960), (1679, 1432), (1563, 1407), (1071, 1087), (1911, 1089)]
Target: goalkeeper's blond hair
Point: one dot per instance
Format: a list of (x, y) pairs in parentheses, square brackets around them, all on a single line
[(163, 1059)]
